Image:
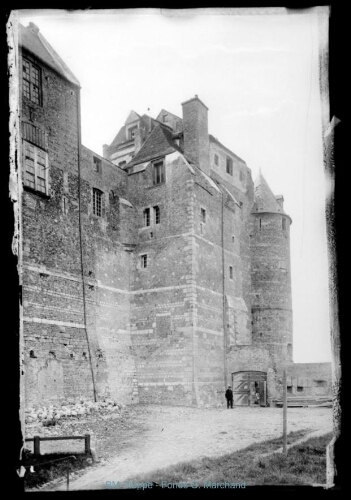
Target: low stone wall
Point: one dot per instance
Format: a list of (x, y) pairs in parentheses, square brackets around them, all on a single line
[(309, 379)]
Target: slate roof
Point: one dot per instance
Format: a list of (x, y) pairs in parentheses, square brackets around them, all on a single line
[(164, 111), (32, 40), (264, 199), (159, 143), (121, 136)]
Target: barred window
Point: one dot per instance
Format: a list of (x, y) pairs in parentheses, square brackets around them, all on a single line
[(35, 168), (143, 261), (31, 81), (146, 217), (157, 215), (159, 172), (97, 202)]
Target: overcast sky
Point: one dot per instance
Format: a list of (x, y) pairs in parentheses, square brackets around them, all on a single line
[(257, 73)]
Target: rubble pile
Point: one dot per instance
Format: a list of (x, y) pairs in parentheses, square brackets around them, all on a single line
[(71, 411)]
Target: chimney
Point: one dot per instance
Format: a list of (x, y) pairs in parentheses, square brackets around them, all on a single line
[(195, 128), (280, 200), (138, 139), (105, 151)]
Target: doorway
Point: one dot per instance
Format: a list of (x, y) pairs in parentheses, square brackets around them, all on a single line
[(249, 388)]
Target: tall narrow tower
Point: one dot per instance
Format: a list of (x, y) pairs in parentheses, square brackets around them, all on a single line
[(271, 276)]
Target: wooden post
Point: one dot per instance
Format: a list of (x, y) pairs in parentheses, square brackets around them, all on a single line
[(284, 413), (36, 446), (67, 472), (87, 444)]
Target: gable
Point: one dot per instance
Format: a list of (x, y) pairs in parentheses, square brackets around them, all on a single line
[(132, 117)]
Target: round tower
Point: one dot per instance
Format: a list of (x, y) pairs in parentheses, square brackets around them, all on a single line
[(271, 278)]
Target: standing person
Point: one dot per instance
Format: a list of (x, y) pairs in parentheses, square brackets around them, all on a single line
[(229, 396)]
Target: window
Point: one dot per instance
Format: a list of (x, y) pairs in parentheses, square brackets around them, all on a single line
[(34, 135), (146, 217), (122, 163), (143, 261), (289, 389), (241, 175), (159, 172), (31, 81), (231, 272), (283, 224), (97, 164), (299, 388), (131, 132), (203, 215), (36, 168), (229, 166), (97, 202), (216, 158), (233, 239), (157, 215), (164, 118)]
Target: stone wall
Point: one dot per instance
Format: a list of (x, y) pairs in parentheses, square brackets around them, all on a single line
[(309, 379), (159, 312), (271, 286), (161, 293), (58, 249)]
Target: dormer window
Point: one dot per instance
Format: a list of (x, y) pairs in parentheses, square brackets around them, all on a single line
[(131, 132), (31, 81)]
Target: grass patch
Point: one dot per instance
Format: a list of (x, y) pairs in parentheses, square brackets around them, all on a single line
[(51, 466), (303, 464)]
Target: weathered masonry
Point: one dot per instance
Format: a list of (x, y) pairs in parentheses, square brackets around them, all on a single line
[(158, 272)]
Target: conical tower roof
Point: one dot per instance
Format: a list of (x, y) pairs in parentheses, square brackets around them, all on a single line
[(264, 199)]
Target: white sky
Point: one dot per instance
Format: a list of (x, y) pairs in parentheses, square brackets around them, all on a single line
[(258, 75)]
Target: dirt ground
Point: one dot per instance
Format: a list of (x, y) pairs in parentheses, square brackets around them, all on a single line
[(146, 438)]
